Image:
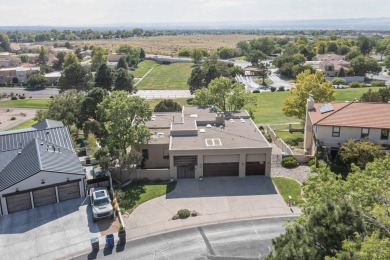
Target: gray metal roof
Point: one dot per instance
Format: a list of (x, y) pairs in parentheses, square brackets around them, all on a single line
[(39, 156), (47, 123), (57, 135), (6, 158)]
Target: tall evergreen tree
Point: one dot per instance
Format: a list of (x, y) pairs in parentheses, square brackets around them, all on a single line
[(122, 64), (103, 78), (123, 80)]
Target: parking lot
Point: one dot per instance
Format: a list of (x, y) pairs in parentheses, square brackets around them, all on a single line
[(52, 231)]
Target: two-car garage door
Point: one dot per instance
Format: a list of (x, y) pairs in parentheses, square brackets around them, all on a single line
[(42, 196)]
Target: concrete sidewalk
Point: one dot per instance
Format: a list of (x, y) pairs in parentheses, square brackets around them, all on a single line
[(218, 200)]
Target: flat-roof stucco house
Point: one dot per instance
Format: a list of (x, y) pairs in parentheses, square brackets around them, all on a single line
[(203, 142), (38, 166), (333, 124)]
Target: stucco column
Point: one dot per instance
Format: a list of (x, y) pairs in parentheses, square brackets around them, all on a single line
[(4, 206), (242, 165), (268, 164), (172, 168)]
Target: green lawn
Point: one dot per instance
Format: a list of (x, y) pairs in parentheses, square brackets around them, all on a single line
[(288, 187), (26, 103), (137, 193), (26, 124), (143, 67), (349, 94), (173, 76)]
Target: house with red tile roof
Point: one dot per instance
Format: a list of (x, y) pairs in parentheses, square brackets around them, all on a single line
[(333, 124), (330, 64)]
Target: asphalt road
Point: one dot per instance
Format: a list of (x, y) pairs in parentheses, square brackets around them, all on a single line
[(43, 93), (250, 239)]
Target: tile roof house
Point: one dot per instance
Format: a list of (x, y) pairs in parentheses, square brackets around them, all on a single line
[(38, 166), (204, 142), (330, 64), (333, 124)]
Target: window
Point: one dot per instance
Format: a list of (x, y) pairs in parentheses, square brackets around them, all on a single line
[(384, 134), (365, 132), (145, 154), (336, 131), (165, 153)]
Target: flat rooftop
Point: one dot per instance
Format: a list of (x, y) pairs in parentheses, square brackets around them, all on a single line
[(235, 135)]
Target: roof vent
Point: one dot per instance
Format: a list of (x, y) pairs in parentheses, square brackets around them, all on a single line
[(208, 126), (202, 130), (242, 120), (41, 144), (20, 152), (231, 120)]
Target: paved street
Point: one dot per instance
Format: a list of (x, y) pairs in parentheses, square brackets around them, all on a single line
[(277, 81), (42, 93), (249, 239)]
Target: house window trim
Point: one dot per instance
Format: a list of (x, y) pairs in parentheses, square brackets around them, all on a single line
[(362, 135), (382, 136), (336, 134)]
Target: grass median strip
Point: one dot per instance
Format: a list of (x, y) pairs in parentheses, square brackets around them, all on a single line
[(26, 103), (289, 187)]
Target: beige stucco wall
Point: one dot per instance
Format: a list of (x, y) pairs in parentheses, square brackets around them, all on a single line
[(151, 174), (324, 134), (156, 153), (50, 178)]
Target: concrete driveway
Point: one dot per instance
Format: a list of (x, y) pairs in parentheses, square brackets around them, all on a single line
[(48, 232), (217, 199)]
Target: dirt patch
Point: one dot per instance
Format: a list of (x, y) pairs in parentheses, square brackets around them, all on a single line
[(108, 226), (21, 115), (170, 45)]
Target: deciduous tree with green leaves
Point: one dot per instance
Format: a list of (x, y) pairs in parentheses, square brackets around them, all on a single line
[(359, 152), (36, 80), (308, 83), (196, 55), (124, 118), (123, 80), (99, 57), (76, 77), (69, 59)]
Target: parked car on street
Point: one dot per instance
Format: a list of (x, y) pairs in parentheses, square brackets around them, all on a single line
[(100, 203)]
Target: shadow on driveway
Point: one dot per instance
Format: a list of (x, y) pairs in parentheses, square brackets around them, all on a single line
[(223, 186)]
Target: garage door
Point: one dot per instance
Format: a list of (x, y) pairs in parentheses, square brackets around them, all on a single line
[(69, 191), (19, 202), (44, 197), (255, 168), (220, 169)]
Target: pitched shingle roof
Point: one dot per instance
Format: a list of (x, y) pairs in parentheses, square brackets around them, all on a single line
[(38, 156), (354, 114)]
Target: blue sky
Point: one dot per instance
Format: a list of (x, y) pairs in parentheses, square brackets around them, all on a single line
[(98, 12)]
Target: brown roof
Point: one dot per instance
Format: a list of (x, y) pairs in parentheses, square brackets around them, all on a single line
[(353, 114)]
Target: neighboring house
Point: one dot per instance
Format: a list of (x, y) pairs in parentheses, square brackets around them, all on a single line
[(6, 75), (114, 57), (202, 142), (9, 60), (333, 124), (38, 166), (330, 64), (112, 64), (22, 73), (53, 77)]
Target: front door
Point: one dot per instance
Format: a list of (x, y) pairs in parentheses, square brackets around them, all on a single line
[(185, 171)]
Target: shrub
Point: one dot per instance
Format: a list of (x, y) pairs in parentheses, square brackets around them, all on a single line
[(256, 91), (273, 89), (311, 162), (22, 97), (184, 213), (363, 85), (281, 88), (354, 85), (378, 84), (13, 118), (289, 162), (14, 98)]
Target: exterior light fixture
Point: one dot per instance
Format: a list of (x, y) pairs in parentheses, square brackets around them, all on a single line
[(43, 182)]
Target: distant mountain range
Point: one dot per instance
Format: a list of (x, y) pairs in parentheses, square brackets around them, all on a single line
[(378, 24)]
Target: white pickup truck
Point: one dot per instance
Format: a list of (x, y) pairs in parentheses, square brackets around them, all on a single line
[(100, 203)]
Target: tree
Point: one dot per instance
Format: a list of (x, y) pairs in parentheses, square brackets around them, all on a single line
[(60, 60), (142, 54), (184, 52), (383, 47), (4, 42), (359, 152), (196, 79), (89, 105), (196, 55), (99, 57), (103, 77), (365, 44), (91, 144), (36, 80), (42, 58), (362, 65), (24, 58), (371, 96), (69, 59), (339, 81), (341, 73), (254, 56), (122, 64), (132, 54), (308, 83), (94, 127), (76, 77), (386, 61), (263, 72), (65, 107), (226, 53), (353, 53), (138, 31), (167, 105), (124, 117), (243, 46), (123, 80), (320, 232)]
